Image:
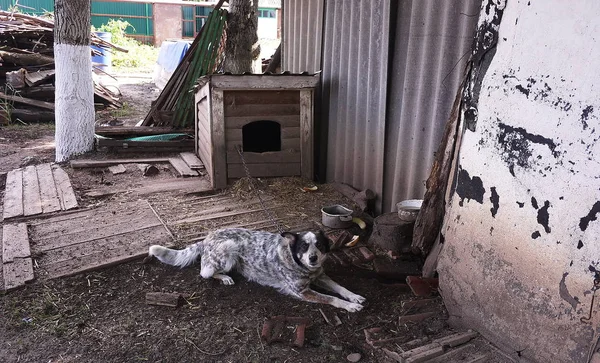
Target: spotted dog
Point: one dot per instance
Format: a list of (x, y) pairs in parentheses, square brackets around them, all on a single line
[(289, 262)]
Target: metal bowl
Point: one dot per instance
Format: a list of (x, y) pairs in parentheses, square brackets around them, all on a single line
[(408, 210), (336, 216)]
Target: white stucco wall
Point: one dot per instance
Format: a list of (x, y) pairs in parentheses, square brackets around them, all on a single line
[(523, 225)]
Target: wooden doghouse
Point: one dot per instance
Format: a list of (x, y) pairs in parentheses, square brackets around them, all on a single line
[(269, 116)]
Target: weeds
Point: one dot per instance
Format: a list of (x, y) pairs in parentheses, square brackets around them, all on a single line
[(139, 55)]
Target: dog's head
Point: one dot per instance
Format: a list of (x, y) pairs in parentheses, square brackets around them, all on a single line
[(309, 249)]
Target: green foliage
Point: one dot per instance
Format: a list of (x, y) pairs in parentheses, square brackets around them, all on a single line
[(139, 55)]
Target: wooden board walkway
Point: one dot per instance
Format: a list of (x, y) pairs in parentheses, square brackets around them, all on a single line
[(70, 244), (38, 189), (17, 266)]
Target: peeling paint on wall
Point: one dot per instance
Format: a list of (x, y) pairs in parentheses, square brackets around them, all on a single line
[(527, 182)]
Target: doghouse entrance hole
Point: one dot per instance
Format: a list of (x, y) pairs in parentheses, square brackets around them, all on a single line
[(261, 136)]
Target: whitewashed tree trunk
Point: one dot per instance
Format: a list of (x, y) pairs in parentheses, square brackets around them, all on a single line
[(74, 99)]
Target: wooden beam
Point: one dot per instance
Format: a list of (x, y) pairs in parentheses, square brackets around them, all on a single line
[(307, 133), (273, 82), (264, 170), (27, 101), (137, 130), (84, 163), (219, 163)]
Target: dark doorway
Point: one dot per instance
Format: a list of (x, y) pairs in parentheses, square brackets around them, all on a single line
[(261, 136)]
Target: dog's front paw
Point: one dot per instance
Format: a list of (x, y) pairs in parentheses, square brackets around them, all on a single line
[(356, 299), (353, 307), (226, 280)]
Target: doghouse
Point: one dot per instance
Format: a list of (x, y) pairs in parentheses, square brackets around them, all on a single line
[(270, 117)]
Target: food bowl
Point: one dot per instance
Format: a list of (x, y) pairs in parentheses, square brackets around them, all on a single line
[(336, 216), (408, 210)]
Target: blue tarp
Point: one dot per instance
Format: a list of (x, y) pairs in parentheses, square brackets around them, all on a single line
[(171, 53)]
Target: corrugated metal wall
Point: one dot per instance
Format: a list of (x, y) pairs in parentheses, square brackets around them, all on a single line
[(432, 40), (302, 33), (355, 71), (390, 73)]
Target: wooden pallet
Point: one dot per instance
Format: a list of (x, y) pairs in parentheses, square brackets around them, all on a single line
[(17, 266), (91, 239), (38, 189)]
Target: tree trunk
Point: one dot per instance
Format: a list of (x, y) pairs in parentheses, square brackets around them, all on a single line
[(74, 86), (241, 47)]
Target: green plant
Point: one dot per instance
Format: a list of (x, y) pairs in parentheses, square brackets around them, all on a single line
[(139, 55)]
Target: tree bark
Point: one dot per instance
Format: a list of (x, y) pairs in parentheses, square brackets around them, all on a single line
[(241, 47), (74, 86)]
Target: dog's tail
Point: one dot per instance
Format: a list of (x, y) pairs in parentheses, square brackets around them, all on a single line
[(180, 258)]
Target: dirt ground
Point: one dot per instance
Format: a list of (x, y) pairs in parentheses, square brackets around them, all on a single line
[(103, 317)]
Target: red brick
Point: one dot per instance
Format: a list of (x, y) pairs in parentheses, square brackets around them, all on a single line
[(366, 253)]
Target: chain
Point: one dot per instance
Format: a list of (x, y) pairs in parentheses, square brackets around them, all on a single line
[(262, 203)]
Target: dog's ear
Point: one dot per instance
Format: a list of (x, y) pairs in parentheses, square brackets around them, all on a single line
[(291, 237), (321, 237)]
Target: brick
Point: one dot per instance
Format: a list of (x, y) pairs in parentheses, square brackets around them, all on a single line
[(339, 238), (422, 286), (366, 254)]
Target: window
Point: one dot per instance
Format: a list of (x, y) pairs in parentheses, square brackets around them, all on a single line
[(266, 13)]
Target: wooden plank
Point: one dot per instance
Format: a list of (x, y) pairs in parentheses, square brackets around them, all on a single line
[(66, 194), (287, 145), (272, 82), (234, 135), (136, 130), (92, 256), (17, 273), (291, 132), (192, 160), (15, 242), (238, 122), (13, 194), (219, 164), (307, 133), (32, 203), (27, 101), (291, 144), (266, 112), (182, 168), (195, 185), (83, 163), (48, 192), (91, 233), (221, 215), (267, 157), (35, 78), (253, 97), (162, 145), (164, 299), (264, 170)]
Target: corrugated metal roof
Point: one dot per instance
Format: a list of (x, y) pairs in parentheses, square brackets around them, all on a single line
[(430, 51), (302, 33), (355, 68)]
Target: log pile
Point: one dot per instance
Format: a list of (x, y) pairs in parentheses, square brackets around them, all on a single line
[(27, 67)]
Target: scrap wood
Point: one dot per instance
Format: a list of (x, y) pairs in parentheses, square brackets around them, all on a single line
[(27, 101), (164, 299), (422, 286)]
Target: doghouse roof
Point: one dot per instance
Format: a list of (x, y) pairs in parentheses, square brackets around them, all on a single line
[(261, 81)]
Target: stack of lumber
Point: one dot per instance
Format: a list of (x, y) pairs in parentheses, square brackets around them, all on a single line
[(174, 106), (27, 65)]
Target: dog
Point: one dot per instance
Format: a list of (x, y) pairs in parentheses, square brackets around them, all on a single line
[(289, 262)]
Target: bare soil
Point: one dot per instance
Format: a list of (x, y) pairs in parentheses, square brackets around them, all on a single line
[(102, 316)]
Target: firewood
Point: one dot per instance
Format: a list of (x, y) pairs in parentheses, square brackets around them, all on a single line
[(164, 299)]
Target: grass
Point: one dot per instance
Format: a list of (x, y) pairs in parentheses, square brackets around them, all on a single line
[(124, 111), (139, 55)]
